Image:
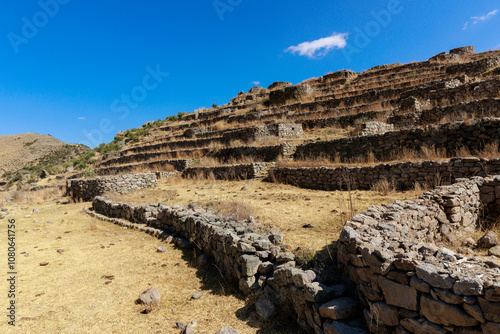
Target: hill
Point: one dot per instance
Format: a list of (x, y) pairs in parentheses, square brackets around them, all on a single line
[(35, 152)]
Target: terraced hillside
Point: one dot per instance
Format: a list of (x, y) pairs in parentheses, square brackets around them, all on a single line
[(225, 182), (330, 117)]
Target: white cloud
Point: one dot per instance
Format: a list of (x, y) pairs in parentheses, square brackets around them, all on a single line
[(256, 83), (81, 118), (483, 18), (320, 47)]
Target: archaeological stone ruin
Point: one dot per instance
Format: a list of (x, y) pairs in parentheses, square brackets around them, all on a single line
[(394, 270)]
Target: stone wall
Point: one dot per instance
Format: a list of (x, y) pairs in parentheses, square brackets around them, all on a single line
[(161, 165), (86, 189), (232, 172), (257, 153), (166, 175), (259, 132), (342, 121), (404, 175), (281, 96), (141, 157), (252, 259), (461, 111), (452, 136), (406, 280), (376, 128)]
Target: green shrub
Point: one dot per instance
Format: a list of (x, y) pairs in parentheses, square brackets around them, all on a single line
[(214, 105)]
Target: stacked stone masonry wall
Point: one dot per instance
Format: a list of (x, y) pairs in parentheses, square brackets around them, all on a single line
[(452, 136), (406, 280), (161, 165), (88, 189), (254, 261), (403, 175), (232, 172)]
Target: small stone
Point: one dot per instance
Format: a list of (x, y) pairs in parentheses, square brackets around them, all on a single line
[(399, 294), (339, 309), (442, 313), (337, 327), (284, 257), (491, 311), (35, 211), (197, 295), (249, 265), (422, 326), (161, 249), (474, 311), (494, 251), (180, 325), (469, 242), (150, 296), (430, 274), (202, 260), (468, 286), (265, 308), (188, 329), (227, 330), (60, 251), (43, 264), (488, 240)]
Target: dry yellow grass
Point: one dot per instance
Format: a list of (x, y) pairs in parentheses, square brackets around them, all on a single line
[(70, 295), (284, 206)]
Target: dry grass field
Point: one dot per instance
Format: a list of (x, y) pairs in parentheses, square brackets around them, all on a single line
[(92, 283), (92, 286), (285, 206)]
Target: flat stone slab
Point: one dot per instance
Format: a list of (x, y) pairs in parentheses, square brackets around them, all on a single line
[(339, 309)]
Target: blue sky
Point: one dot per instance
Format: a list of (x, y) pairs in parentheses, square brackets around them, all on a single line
[(84, 70)]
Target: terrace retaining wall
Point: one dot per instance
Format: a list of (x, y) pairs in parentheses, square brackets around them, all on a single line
[(162, 165), (88, 189), (472, 135), (404, 175), (233, 172), (406, 280)]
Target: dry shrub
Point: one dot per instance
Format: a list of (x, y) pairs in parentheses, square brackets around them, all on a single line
[(171, 194), (236, 143), (383, 186), (212, 162), (201, 176), (18, 196), (321, 161), (490, 150), (145, 168), (237, 210), (430, 152), (421, 187), (268, 141)]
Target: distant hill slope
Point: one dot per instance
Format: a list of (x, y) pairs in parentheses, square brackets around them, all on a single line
[(29, 149)]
